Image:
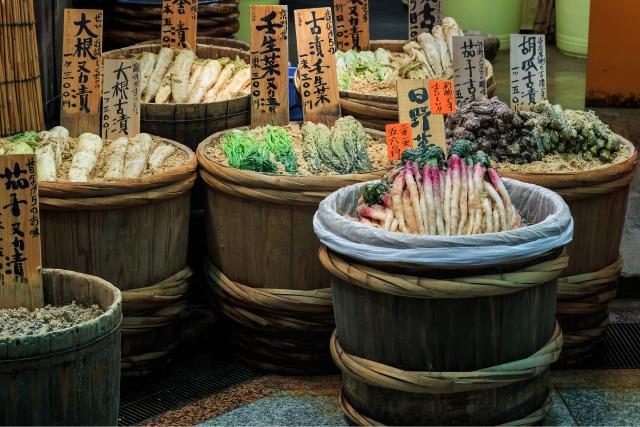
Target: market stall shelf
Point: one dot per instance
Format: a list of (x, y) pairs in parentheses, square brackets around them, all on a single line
[(69, 376), (598, 202), (189, 124), (451, 335), (133, 233), (263, 269)]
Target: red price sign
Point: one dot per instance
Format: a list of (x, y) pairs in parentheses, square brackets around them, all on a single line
[(398, 139), (442, 97)]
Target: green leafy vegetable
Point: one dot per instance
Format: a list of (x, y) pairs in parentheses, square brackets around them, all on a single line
[(243, 151), (280, 144), (373, 193)]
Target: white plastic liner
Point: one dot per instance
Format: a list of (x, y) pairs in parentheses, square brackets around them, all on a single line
[(553, 228)]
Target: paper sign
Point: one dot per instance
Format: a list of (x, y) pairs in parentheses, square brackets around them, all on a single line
[(317, 65), (179, 23), (441, 97), (423, 16), (121, 98), (20, 261), (352, 24), (269, 66), (81, 71), (528, 70), (414, 107), (398, 139), (469, 71)]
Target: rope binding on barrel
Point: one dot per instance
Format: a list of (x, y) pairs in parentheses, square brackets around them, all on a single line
[(460, 287)]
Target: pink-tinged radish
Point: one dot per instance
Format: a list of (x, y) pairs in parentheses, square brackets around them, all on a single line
[(463, 197), (496, 221), (436, 179), (375, 212), (427, 185), (498, 184), (409, 216), (388, 219), (455, 165), (414, 196), (497, 201), (396, 197), (424, 210), (471, 199), (517, 221), (394, 226), (448, 184), (488, 212)]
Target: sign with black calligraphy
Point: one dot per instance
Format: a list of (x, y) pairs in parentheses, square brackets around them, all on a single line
[(414, 107), (352, 24), (442, 97), (317, 65), (179, 23), (469, 71), (20, 262), (81, 71), (528, 70), (269, 66), (423, 16), (121, 98)]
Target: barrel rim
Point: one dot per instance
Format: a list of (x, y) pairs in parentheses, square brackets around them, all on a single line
[(278, 182), (209, 41), (76, 336), (394, 46), (558, 180), (138, 48), (66, 190)]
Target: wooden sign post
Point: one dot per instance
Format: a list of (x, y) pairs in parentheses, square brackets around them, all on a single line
[(121, 98), (528, 70), (414, 107), (269, 66), (317, 65), (179, 23), (423, 16), (469, 72), (352, 24), (20, 262), (81, 71)]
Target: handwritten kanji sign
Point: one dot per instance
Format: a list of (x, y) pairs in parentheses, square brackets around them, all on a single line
[(20, 262), (423, 16), (352, 24), (442, 97), (528, 70), (398, 139), (414, 107), (121, 98), (469, 70), (179, 23), (317, 65), (81, 71), (269, 65)]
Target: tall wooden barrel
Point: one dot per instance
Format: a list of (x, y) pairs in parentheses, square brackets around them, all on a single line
[(189, 124), (71, 376), (377, 111), (598, 202), (461, 338), (132, 233), (263, 269)]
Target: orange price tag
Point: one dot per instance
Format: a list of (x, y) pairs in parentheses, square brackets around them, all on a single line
[(442, 97), (398, 139)]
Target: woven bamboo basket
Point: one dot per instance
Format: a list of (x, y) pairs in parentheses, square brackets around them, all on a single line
[(263, 269), (375, 111), (598, 202), (132, 233), (191, 123), (71, 376)]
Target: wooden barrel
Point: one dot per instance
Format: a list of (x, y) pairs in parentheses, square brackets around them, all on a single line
[(598, 202), (191, 123), (212, 41), (71, 376), (263, 269), (377, 111), (132, 233), (445, 346)]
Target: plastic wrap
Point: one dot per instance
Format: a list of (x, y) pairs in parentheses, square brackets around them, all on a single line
[(552, 228)]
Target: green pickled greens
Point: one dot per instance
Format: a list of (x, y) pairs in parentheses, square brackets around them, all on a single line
[(245, 152), (281, 146), (373, 66)]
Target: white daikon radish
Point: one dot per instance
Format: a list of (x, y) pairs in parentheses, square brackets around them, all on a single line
[(196, 71), (159, 155), (237, 82), (46, 163), (135, 159), (115, 159), (147, 65), (206, 80), (85, 158), (162, 66), (224, 76), (180, 76)]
